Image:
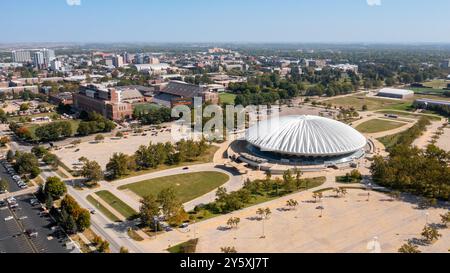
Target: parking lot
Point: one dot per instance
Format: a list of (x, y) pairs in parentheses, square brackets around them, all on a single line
[(25, 228), (7, 173)]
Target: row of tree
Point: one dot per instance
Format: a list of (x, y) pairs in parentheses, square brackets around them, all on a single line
[(155, 155), (93, 123), (421, 172)]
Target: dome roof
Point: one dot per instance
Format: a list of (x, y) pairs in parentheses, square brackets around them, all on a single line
[(305, 136)]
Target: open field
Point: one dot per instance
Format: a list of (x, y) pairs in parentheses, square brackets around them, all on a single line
[(117, 204), (378, 125), (188, 186), (227, 98), (357, 102)]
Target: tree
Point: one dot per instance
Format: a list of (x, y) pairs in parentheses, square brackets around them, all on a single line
[(92, 171), (169, 201), (292, 204), (233, 222), (430, 234), (119, 134), (55, 188), (10, 156), (4, 140), (228, 249), (289, 182), (298, 175), (103, 246), (50, 159), (123, 250), (445, 218), (49, 201), (99, 138), (26, 163), (3, 185), (39, 151), (409, 248), (83, 220), (117, 165), (149, 210)]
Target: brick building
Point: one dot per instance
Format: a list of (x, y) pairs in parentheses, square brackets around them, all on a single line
[(110, 102)]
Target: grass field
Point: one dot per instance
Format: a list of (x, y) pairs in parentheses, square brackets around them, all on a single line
[(358, 101), (227, 98), (408, 114), (188, 186), (32, 127), (256, 199), (378, 125), (117, 204), (102, 209), (145, 107), (206, 158), (389, 141)]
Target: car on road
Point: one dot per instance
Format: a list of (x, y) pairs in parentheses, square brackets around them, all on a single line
[(93, 211), (34, 202), (8, 218), (31, 233), (186, 168), (184, 225)]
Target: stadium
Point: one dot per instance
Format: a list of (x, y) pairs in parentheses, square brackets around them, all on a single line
[(301, 141)]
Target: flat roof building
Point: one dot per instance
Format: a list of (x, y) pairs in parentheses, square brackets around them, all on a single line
[(395, 93)]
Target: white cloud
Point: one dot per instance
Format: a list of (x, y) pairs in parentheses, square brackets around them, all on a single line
[(373, 3), (73, 2)]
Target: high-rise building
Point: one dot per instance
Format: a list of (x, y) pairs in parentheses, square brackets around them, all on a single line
[(39, 60), (139, 58), (49, 55), (56, 65), (118, 61), (446, 64), (153, 60), (21, 56)]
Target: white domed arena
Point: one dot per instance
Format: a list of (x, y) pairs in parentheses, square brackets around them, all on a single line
[(305, 140)]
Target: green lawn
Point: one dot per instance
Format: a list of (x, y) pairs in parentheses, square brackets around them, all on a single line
[(32, 127), (206, 158), (309, 183), (186, 247), (408, 114), (378, 125), (357, 102), (227, 98), (188, 186), (102, 209), (117, 204), (143, 107)]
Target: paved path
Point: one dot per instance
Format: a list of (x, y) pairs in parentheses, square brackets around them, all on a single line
[(424, 140)]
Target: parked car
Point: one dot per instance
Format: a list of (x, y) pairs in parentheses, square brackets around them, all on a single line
[(31, 233)]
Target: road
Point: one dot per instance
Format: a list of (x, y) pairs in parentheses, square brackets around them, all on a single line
[(114, 233)]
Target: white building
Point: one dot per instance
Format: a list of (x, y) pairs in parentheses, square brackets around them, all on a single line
[(395, 93), (39, 59), (56, 65), (21, 56), (118, 61)]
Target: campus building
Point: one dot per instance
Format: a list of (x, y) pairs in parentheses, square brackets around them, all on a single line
[(110, 102), (181, 93)]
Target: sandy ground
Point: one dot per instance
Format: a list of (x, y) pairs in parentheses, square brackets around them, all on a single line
[(348, 224), (444, 140), (102, 152)]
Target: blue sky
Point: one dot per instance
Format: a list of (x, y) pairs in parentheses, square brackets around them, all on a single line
[(343, 21)]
